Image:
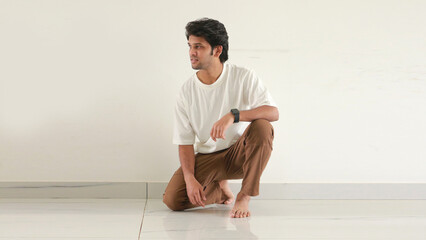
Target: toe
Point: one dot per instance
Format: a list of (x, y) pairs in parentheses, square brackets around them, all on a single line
[(234, 214)]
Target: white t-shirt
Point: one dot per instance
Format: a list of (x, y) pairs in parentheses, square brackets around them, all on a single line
[(199, 106)]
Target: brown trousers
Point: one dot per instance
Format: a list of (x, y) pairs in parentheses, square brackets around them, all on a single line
[(246, 159)]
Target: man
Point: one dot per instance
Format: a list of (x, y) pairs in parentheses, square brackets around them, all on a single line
[(228, 110)]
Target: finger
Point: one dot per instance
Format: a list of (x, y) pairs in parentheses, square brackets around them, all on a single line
[(197, 202), (191, 200), (222, 135), (216, 134), (194, 200), (212, 133), (199, 199), (219, 133), (203, 195)]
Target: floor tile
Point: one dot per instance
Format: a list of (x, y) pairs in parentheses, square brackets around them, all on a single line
[(291, 219), (70, 218)]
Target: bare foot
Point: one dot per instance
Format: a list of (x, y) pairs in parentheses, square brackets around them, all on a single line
[(240, 209), (227, 192)]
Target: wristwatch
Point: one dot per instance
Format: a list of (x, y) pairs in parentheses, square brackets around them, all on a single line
[(236, 114)]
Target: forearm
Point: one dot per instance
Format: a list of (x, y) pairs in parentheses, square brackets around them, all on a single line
[(187, 160), (269, 113)]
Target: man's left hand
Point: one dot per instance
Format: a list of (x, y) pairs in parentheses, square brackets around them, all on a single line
[(219, 127)]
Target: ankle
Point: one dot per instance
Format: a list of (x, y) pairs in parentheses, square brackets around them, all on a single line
[(243, 195)]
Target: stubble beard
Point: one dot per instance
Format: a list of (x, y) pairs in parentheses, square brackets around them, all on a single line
[(197, 66)]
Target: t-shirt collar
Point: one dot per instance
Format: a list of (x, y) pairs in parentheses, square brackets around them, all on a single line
[(216, 83)]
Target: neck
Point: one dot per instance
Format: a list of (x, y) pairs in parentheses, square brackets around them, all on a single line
[(211, 74)]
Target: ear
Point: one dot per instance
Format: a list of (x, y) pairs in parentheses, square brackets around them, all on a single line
[(219, 50)]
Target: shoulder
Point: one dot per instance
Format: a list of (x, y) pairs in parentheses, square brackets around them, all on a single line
[(238, 70), (187, 87), (241, 74), (244, 75)]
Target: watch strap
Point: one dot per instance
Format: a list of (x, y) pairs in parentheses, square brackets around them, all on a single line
[(236, 114)]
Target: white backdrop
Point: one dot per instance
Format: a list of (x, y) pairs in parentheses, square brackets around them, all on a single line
[(87, 88)]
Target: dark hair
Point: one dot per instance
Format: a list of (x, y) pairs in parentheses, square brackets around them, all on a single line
[(213, 31)]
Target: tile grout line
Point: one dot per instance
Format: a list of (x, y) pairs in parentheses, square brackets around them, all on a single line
[(144, 209), (143, 216)]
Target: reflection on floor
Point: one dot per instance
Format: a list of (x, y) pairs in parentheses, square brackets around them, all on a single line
[(271, 219)]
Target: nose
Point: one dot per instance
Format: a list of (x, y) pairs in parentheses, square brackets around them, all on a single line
[(192, 52)]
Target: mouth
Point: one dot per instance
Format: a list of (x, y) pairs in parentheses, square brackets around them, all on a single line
[(194, 60)]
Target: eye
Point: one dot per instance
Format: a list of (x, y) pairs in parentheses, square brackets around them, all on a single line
[(196, 47)]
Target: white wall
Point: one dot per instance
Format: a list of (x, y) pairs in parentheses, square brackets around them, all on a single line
[(87, 88)]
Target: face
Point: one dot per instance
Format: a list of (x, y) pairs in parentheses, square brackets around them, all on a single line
[(200, 52)]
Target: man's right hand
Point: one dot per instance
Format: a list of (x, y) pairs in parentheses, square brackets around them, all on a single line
[(195, 191)]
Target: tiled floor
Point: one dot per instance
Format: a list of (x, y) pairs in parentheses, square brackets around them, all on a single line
[(271, 219)]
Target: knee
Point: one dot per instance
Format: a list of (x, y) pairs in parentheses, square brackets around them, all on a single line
[(172, 203), (261, 129)]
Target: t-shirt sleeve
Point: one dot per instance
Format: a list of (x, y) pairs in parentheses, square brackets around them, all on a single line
[(257, 93), (183, 133)]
